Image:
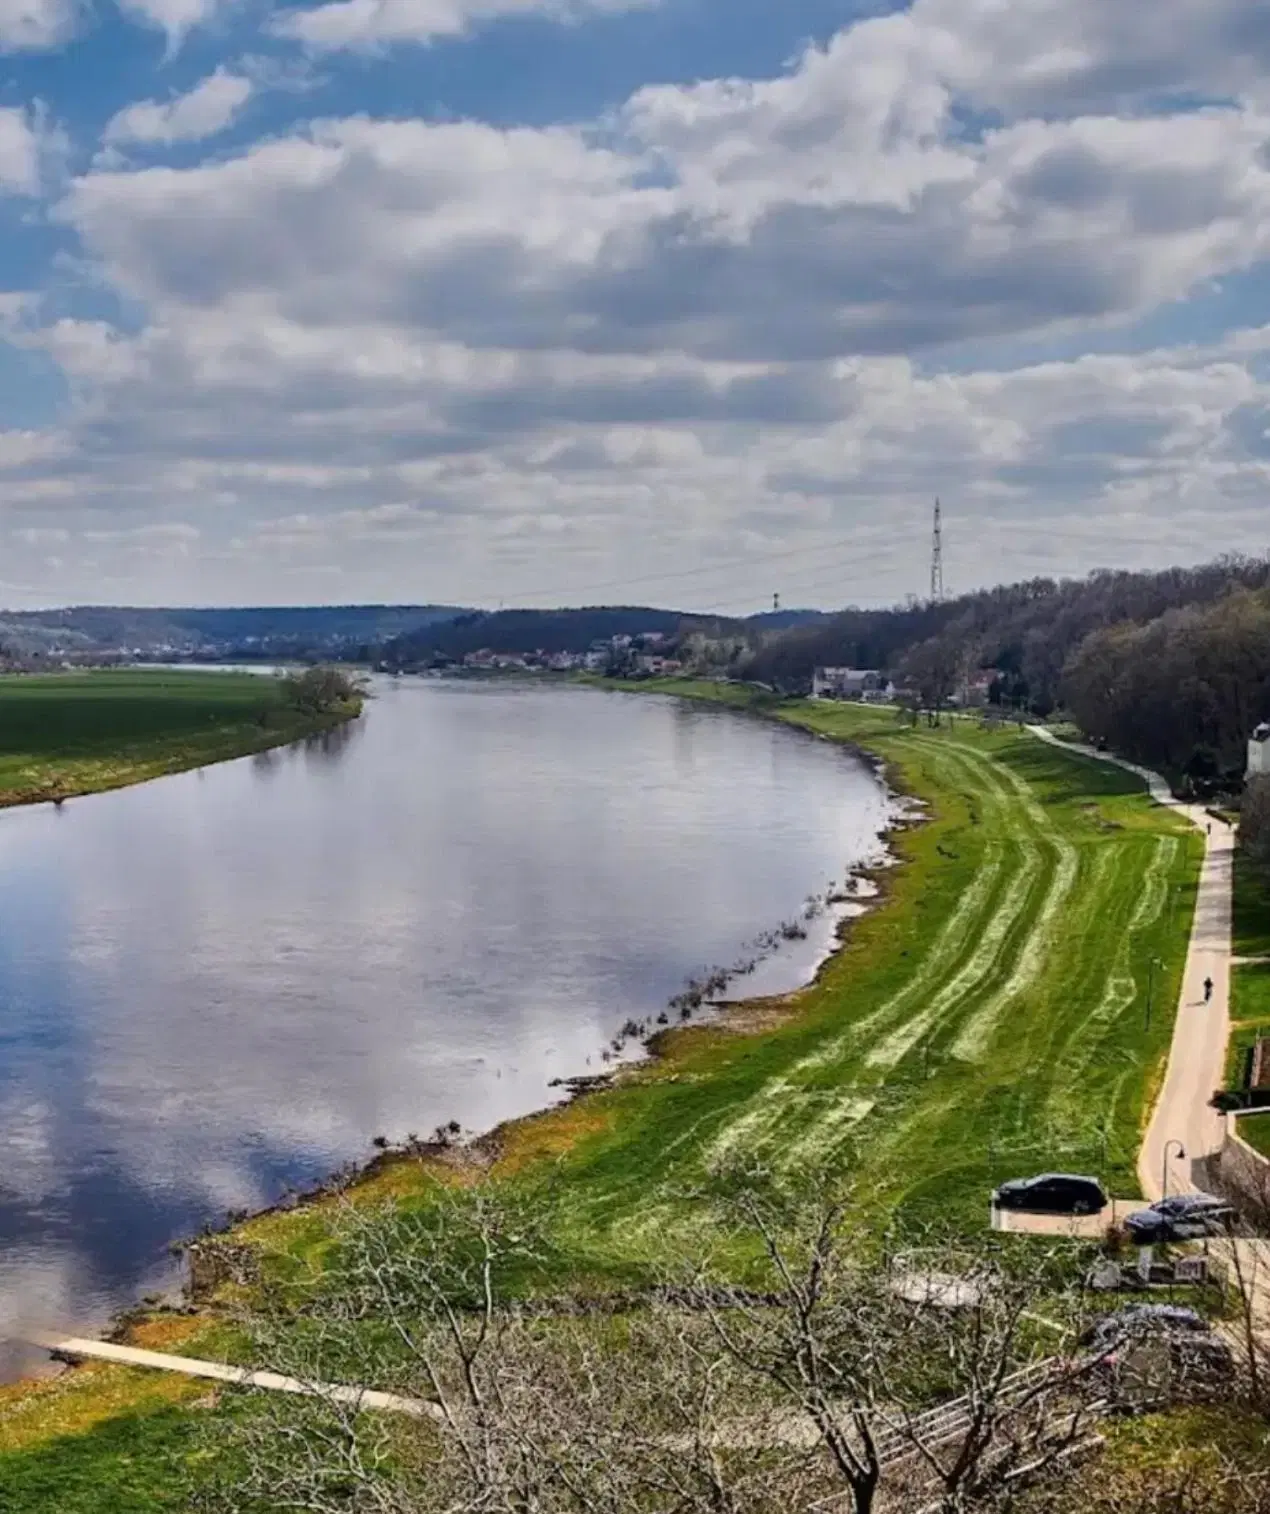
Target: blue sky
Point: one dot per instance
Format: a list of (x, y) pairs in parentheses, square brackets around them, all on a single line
[(482, 300)]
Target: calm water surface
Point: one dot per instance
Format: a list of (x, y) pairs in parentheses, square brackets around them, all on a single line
[(219, 984)]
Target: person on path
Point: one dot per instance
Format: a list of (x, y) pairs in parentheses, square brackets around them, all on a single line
[(1208, 989)]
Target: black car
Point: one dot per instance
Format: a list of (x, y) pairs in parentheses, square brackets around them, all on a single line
[(1052, 1193), (1184, 1217)]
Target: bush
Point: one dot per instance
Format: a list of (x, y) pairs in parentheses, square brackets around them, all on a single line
[(322, 691)]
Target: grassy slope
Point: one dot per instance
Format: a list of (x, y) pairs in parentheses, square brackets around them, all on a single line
[(989, 1019), (77, 733), (1250, 987)]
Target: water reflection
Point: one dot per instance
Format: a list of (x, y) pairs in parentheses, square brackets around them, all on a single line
[(219, 984)]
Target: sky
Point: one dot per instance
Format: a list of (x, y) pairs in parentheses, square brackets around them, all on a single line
[(690, 302)]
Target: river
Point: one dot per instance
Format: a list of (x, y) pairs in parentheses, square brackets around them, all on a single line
[(216, 985)]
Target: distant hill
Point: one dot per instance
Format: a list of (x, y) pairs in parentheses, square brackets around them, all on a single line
[(191, 632), (516, 631), (785, 620)]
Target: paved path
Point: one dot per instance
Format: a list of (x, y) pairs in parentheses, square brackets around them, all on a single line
[(1183, 1117), (1077, 1226), (131, 1356)]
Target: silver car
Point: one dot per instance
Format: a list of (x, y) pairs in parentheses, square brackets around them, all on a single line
[(1183, 1217)]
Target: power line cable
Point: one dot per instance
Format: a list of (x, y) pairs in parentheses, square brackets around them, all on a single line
[(790, 587), (677, 575)]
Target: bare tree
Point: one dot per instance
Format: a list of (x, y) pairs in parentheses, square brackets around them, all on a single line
[(835, 1371), (934, 1364)]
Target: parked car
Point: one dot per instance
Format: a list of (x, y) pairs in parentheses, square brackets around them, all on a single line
[(1052, 1193), (1184, 1217)]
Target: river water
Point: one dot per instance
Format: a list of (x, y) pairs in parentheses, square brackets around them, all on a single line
[(219, 984)]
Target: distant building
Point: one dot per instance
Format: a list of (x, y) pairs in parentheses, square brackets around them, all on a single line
[(849, 683), (1259, 751), (974, 694)]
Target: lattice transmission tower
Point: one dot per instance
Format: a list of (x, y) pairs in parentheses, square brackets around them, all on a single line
[(937, 557)]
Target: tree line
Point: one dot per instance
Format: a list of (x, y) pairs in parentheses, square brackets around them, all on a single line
[(1170, 668), (1182, 692), (1026, 631)]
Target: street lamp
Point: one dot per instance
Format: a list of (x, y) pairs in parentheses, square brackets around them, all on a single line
[(1181, 1152)]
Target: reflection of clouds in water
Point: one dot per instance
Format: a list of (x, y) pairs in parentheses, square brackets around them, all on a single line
[(31, 1171), (234, 979)]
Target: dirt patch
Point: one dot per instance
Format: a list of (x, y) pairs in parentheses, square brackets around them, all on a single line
[(751, 1017), (1084, 1227)]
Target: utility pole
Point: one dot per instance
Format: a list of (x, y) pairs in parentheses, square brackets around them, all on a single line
[(937, 558), (776, 603)]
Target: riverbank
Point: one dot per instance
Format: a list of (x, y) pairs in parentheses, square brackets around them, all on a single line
[(989, 1017), (64, 735)]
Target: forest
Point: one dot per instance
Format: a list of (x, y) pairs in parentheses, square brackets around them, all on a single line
[(570, 630), (1170, 668)]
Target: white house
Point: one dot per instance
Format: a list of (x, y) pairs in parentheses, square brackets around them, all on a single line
[(973, 694), (847, 683), (1259, 751)]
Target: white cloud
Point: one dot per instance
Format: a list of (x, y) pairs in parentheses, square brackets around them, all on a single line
[(22, 144), (578, 353), (365, 25), (175, 18), (784, 236), (212, 105), (33, 25)]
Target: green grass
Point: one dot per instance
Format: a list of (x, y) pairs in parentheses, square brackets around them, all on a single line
[(77, 733), (988, 1019), (1189, 1458), (1251, 925), (1255, 1129), (132, 1464), (1250, 982), (1249, 1016)]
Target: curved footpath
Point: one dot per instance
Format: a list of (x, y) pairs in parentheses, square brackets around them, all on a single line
[(1185, 1129)]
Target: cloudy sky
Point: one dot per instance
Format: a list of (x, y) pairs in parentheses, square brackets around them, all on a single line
[(682, 301)]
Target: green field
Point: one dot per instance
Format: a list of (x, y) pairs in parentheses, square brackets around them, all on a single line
[(995, 1015), (77, 733)]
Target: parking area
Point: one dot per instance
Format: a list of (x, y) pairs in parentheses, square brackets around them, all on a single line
[(1087, 1227)]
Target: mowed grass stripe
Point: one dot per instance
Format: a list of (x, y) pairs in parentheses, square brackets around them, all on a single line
[(1004, 934), (811, 1106)]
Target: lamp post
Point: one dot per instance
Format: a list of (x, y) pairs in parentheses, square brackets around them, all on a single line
[(1164, 1176)]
